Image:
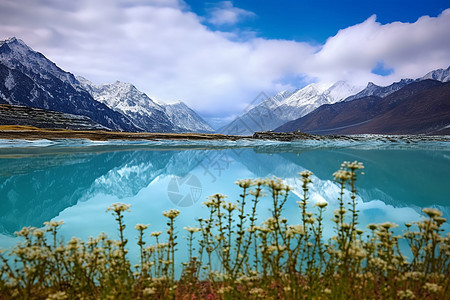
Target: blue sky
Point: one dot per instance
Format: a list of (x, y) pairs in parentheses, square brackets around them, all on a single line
[(315, 21), (218, 56)]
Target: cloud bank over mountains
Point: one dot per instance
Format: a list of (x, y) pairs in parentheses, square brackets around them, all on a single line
[(169, 52)]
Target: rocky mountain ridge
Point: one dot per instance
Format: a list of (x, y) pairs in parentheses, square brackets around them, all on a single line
[(383, 91), (29, 79), (186, 119), (421, 107), (145, 113), (288, 106), (41, 118), (285, 106)]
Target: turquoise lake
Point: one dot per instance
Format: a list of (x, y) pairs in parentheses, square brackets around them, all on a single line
[(77, 181)]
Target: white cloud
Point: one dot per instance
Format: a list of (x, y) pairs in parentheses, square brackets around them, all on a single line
[(166, 51), (410, 49), (224, 13)]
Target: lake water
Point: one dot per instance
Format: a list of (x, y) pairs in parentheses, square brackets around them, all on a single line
[(76, 181)]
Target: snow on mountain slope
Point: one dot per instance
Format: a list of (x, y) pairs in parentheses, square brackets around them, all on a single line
[(263, 116), (439, 74), (286, 106), (186, 119), (18, 55), (123, 96), (321, 120), (144, 112), (379, 91), (383, 91), (420, 107), (128, 100), (28, 78), (340, 90)]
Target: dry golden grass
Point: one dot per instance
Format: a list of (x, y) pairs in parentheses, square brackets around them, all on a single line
[(31, 133), (17, 127)]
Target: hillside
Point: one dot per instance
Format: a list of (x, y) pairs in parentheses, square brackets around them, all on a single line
[(41, 118), (421, 107)]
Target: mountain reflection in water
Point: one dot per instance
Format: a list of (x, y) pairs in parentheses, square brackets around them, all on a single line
[(77, 184)]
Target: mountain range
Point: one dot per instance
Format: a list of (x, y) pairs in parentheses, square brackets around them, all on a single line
[(28, 78), (420, 107), (145, 113), (286, 106), (292, 111)]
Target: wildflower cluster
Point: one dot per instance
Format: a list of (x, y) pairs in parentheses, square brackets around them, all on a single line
[(233, 254)]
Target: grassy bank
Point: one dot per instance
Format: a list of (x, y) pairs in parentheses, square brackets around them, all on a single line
[(233, 254), (34, 133)]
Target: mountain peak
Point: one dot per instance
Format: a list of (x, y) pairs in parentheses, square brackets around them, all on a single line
[(371, 85), (8, 40), (15, 54), (42, 84), (15, 43), (416, 108), (144, 112), (185, 118), (340, 90), (118, 106), (439, 74), (124, 85)]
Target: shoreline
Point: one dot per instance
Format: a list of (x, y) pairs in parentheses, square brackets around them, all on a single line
[(32, 133)]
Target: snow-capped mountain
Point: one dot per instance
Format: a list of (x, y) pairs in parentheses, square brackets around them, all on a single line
[(340, 90), (439, 75), (185, 118), (380, 91), (128, 100), (145, 113), (372, 89), (259, 118), (286, 106), (15, 54), (312, 96), (418, 106), (28, 78), (421, 107)]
